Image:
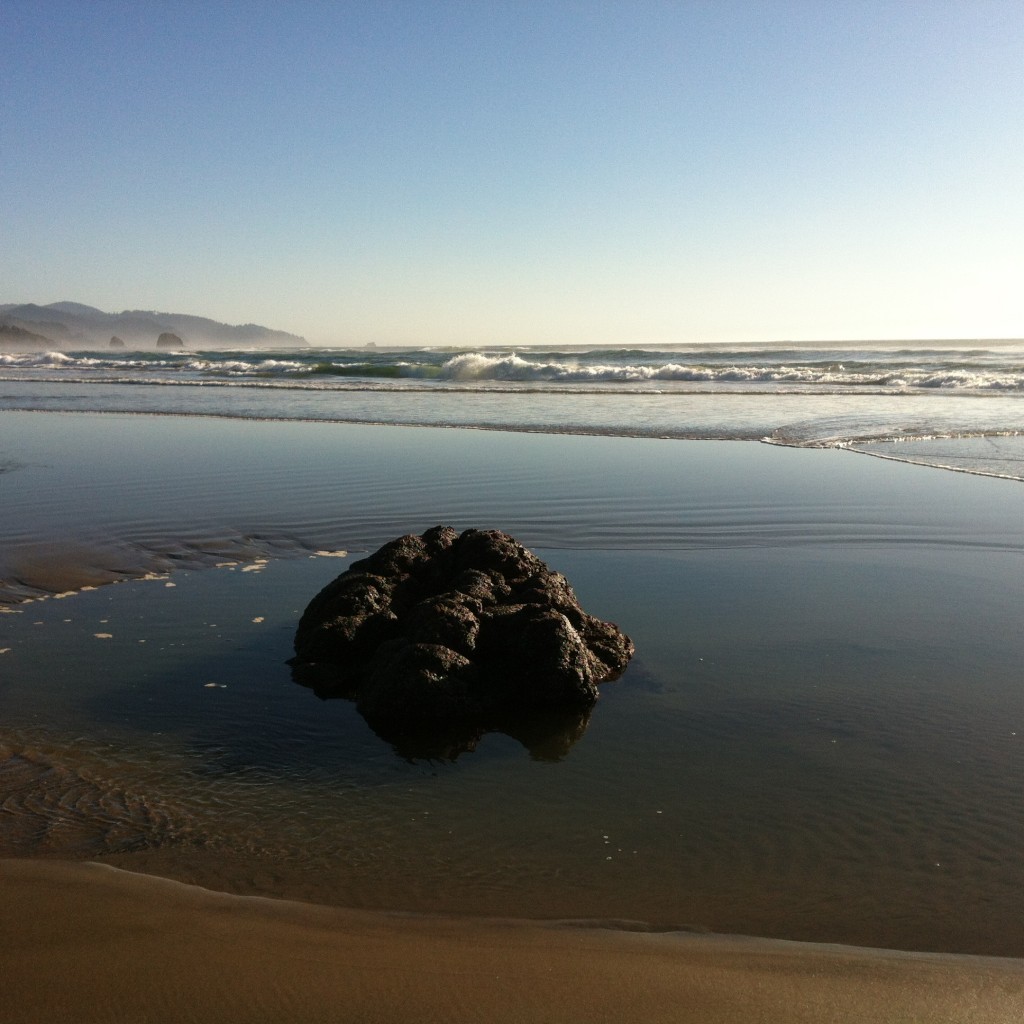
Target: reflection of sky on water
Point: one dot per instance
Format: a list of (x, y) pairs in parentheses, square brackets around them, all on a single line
[(155, 492)]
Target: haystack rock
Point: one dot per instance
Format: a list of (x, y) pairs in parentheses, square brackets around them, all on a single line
[(442, 637), (168, 340), (116, 342)]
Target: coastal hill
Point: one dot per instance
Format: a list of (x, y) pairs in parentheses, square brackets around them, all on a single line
[(72, 325), (12, 336)]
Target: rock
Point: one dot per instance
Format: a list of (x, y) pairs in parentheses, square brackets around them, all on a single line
[(116, 342), (442, 637), (168, 340)]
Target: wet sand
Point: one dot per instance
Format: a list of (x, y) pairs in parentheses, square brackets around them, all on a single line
[(85, 942)]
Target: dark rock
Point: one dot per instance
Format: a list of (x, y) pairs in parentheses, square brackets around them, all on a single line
[(116, 342), (169, 340), (442, 637)]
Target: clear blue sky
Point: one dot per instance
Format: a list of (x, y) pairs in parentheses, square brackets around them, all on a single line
[(521, 172)]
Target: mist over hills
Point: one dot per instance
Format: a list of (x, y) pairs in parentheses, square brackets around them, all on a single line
[(72, 325)]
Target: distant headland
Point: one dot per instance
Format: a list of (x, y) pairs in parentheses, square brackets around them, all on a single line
[(72, 325)]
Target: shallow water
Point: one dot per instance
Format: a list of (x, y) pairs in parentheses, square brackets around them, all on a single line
[(820, 736), (799, 418), (782, 758), (118, 495)]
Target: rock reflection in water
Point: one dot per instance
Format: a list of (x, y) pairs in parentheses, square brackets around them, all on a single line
[(547, 735)]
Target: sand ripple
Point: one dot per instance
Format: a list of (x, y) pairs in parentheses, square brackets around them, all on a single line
[(55, 809)]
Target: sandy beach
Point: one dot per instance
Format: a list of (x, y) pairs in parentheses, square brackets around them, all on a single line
[(83, 942)]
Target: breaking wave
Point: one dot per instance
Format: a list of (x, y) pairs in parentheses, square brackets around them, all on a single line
[(803, 395), (999, 368)]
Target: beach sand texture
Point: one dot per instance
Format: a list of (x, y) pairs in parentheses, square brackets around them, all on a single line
[(89, 943)]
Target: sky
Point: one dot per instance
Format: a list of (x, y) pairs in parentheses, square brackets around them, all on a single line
[(515, 173)]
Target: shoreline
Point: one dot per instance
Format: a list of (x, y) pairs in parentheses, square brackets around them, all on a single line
[(794, 430), (75, 552), (88, 942)]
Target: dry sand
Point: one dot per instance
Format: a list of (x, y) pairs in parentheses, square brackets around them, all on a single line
[(86, 942)]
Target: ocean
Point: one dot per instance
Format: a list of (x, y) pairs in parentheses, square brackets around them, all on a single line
[(821, 736), (953, 404)]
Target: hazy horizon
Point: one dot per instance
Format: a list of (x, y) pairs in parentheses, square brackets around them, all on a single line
[(568, 346)]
